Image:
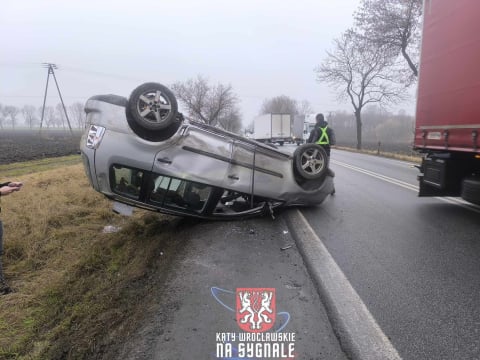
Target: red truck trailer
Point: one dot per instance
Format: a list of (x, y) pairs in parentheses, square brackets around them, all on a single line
[(448, 100)]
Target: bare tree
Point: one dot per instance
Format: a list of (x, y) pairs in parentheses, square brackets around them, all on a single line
[(360, 73), (231, 121), (393, 25), (78, 114), (60, 115), (28, 112), (49, 116), (305, 108), (280, 105), (205, 102), (12, 111), (39, 112)]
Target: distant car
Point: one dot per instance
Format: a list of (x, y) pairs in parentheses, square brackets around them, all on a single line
[(143, 153)]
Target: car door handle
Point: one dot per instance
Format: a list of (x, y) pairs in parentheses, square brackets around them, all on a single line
[(233, 177), (166, 161)]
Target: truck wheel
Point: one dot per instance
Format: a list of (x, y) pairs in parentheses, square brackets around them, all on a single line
[(471, 190), (152, 107), (310, 161)]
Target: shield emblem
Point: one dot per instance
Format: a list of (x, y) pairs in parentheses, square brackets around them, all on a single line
[(255, 309)]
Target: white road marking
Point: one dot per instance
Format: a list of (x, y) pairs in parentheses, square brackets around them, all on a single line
[(360, 335), (405, 185)]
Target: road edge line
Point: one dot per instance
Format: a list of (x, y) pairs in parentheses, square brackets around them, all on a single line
[(358, 332)]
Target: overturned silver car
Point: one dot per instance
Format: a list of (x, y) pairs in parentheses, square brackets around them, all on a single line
[(142, 152)]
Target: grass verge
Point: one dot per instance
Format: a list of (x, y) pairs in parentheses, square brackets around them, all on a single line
[(76, 288), (29, 167)]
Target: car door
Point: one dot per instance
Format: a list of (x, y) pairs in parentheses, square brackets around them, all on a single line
[(255, 169), (198, 155), (240, 174)]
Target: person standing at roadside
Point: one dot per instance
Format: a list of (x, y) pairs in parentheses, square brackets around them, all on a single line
[(322, 134), (5, 189)]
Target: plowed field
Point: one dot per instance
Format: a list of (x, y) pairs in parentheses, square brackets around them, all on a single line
[(24, 145)]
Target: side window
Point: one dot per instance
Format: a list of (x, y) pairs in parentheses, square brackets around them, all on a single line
[(157, 188), (177, 193), (126, 181)]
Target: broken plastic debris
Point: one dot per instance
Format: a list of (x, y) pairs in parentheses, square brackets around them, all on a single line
[(111, 229), (286, 247), (285, 232)]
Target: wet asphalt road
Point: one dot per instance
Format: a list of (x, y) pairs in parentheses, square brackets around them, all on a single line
[(415, 262), (197, 300)]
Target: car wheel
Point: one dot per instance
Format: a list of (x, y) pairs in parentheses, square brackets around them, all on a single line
[(158, 135), (471, 190), (310, 161), (152, 107)]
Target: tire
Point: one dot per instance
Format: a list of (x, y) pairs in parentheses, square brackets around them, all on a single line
[(471, 190), (158, 135), (310, 161), (152, 107)]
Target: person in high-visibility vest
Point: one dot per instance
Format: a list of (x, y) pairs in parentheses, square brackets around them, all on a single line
[(322, 134)]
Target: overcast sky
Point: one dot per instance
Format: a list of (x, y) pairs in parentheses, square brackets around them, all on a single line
[(263, 48)]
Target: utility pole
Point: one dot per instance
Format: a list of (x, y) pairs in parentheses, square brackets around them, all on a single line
[(50, 68)]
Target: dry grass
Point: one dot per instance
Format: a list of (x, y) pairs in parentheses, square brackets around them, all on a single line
[(29, 167), (73, 284)]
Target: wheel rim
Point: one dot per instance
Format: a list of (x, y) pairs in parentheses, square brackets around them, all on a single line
[(154, 107), (312, 161)]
